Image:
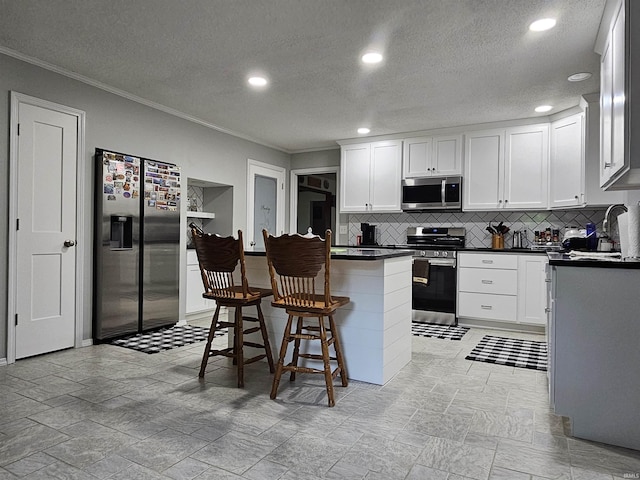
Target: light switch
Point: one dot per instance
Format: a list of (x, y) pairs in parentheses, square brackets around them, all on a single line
[(343, 229)]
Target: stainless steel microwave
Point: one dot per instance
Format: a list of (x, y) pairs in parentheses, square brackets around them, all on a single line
[(432, 193)]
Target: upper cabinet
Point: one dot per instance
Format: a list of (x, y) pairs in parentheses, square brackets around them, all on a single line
[(566, 166), (371, 177), (507, 169), (574, 172), (619, 134), (432, 156)]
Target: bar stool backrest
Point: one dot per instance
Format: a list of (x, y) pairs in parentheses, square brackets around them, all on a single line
[(297, 260), (218, 258)]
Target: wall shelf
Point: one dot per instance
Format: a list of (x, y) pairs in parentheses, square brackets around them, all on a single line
[(191, 214)]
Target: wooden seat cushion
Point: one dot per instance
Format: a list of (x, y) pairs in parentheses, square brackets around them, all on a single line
[(316, 305)]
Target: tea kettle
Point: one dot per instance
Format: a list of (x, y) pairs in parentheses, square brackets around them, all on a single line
[(518, 239)]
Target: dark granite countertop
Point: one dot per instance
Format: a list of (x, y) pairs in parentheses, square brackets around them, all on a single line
[(353, 253), (563, 259)]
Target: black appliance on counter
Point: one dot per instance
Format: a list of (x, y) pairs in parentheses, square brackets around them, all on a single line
[(434, 273), (368, 234)]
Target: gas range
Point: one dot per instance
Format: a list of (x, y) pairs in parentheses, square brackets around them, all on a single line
[(435, 242)]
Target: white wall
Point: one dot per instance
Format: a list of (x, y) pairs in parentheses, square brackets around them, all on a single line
[(113, 122)]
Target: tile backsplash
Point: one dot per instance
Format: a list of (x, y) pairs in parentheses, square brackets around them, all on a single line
[(391, 228)]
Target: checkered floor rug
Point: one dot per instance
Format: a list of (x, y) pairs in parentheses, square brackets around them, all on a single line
[(448, 332), (512, 352), (165, 339)]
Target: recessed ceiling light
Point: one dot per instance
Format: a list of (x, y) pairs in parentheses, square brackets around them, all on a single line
[(257, 81), (579, 77), (372, 57), (363, 130), (542, 24), (543, 108)]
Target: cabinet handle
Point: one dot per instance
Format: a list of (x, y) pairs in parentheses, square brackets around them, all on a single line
[(547, 310), (506, 201), (608, 165), (487, 282), (487, 261), (499, 201), (576, 197), (486, 307)]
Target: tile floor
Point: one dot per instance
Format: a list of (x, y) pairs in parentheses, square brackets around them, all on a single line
[(108, 412)]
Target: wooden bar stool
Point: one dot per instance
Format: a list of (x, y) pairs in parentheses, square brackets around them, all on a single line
[(218, 258), (297, 261)]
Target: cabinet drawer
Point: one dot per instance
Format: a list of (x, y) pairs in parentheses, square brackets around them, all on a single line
[(192, 257), (488, 280), (489, 260), (486, 306)]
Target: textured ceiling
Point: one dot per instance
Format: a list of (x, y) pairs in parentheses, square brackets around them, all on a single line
[(447, 62)]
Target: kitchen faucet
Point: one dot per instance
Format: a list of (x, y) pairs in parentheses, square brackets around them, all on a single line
[(607, 217)]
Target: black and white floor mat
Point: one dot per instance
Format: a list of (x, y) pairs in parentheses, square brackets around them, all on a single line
[(512, 352), (448, 332), (165, 339)]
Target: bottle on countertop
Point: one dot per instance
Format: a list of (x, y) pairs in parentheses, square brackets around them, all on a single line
[(547, 233), (592, 237), (536, 236)]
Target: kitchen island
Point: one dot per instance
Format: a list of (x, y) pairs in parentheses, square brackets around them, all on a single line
[(593, 347), (375, 328)]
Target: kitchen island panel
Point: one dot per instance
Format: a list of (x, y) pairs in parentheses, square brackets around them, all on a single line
[(595, 355), (374, 328)]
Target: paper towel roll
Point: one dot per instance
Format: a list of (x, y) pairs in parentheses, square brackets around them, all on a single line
[(633, 229), (623, 230)]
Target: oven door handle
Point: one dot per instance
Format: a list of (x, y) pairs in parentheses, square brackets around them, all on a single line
[(441, 262)]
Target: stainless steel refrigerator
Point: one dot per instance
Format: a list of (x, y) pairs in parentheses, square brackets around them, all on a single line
[(137, 245)]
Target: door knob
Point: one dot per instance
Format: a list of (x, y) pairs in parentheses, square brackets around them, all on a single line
[(253, 244), (69, 243)]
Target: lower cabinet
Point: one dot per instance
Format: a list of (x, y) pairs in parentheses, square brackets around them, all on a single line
[(195, 302), (502, 287)]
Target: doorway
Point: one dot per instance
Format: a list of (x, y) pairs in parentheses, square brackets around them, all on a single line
[(46, 205), (314, 200)]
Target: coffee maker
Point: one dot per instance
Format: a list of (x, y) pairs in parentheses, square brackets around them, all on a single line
[(368, 234)]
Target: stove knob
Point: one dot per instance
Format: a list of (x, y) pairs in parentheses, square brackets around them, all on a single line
[(423, 253), (436, 254), (446, 254)]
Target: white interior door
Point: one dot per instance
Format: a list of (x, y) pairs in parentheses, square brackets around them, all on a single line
[(45, 273), (265, 202)]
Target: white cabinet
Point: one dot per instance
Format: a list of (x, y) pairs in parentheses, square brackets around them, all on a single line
[(502, 287), (371, 177), (532, 289), (566, 163), (574, 172), (619, 159), (507, 169), (432, 156), (526, 168), (487, 286), (195, 302)]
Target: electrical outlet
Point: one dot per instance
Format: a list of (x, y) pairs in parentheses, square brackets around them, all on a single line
[(343, 230)]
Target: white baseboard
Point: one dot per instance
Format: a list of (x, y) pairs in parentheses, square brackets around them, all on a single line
[(181, 323), (87, 343), (3, 362)]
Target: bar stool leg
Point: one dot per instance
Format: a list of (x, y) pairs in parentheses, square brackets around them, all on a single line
[(338, 348), (296, 349), (239, 346), (325, 358), (286, 336), (265, 338), (207, 348)]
